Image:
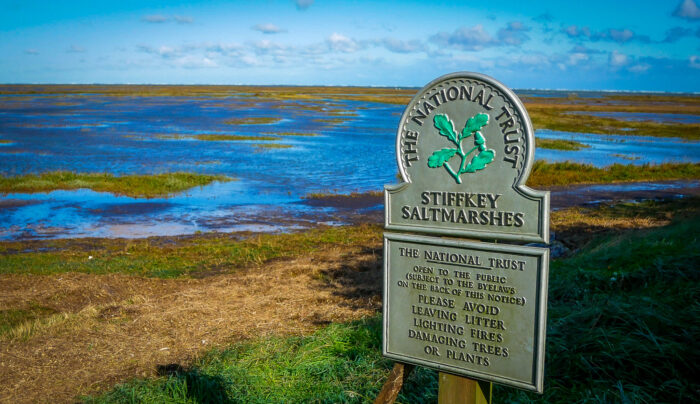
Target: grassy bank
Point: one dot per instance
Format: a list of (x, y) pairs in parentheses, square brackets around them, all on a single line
[(213, 253), (145, 186), (567, 173), (622, 326), (218, 137), (173, 257), (253, 120), (558, 144), (558, 117), (352, 195)]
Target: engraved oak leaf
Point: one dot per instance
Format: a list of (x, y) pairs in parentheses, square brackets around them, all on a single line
[(440, 157), (445, 127)]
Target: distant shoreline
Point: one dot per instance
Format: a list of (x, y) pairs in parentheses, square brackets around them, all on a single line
[(404, 88)]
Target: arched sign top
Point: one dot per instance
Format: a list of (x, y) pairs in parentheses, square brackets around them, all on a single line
[(465, 147)]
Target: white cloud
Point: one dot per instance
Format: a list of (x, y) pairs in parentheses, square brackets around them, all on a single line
[(513, 34), (694, 61), (399, 46), (476, 38), (195, 62), (574, 31), (584, 49), (155, 18), (533, 59), (676, 33), (640, 68), (160, 19), (182, 19), (31, 51), (75, 49), (268, 28), (473, 38), (576, 58), (304, 4), (250, 60), (341, 43), (688, 10), (617, 59), (623, 35), (267, 47), (614, 35)]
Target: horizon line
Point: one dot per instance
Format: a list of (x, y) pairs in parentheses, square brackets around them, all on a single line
[(347, 86)]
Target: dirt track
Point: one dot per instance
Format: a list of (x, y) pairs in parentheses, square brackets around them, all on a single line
[(114, 327)]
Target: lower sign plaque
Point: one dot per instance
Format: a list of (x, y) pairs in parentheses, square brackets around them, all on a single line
[(467, 308)]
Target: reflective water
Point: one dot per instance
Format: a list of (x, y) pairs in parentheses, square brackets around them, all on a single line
[(642, 116), (604, 150), (353, 151)]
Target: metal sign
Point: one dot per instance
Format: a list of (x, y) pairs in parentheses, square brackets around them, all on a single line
[(465, 147), (468, 308)]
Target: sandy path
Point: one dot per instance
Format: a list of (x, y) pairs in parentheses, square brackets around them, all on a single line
[(114, 327)]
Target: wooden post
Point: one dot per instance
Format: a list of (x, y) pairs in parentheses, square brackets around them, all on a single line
[(460, 390), (393, 384)]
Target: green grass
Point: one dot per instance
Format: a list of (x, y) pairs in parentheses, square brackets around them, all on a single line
[(626, 156), (169, 257), (272, 146), (331, 195), (252, 120), (624, 321), (339, 363), (558, 144), (555, 117), (293, 134), (623, 325), (11, 318), (567, 173), (330, 121), (147, 186), (214, 137), (217, 137)]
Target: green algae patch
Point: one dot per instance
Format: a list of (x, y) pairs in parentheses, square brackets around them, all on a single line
[(329, 121), (292, 134), (252, 120), (164, 136), (567, 173), (558, 144), (217, 137), (139, 186), (214, 137), (272, 146)]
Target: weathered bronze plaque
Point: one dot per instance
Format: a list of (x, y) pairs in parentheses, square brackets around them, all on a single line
[(465, 147), (468, 308)]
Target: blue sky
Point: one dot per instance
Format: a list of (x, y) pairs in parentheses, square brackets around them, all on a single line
[(601, 45)]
